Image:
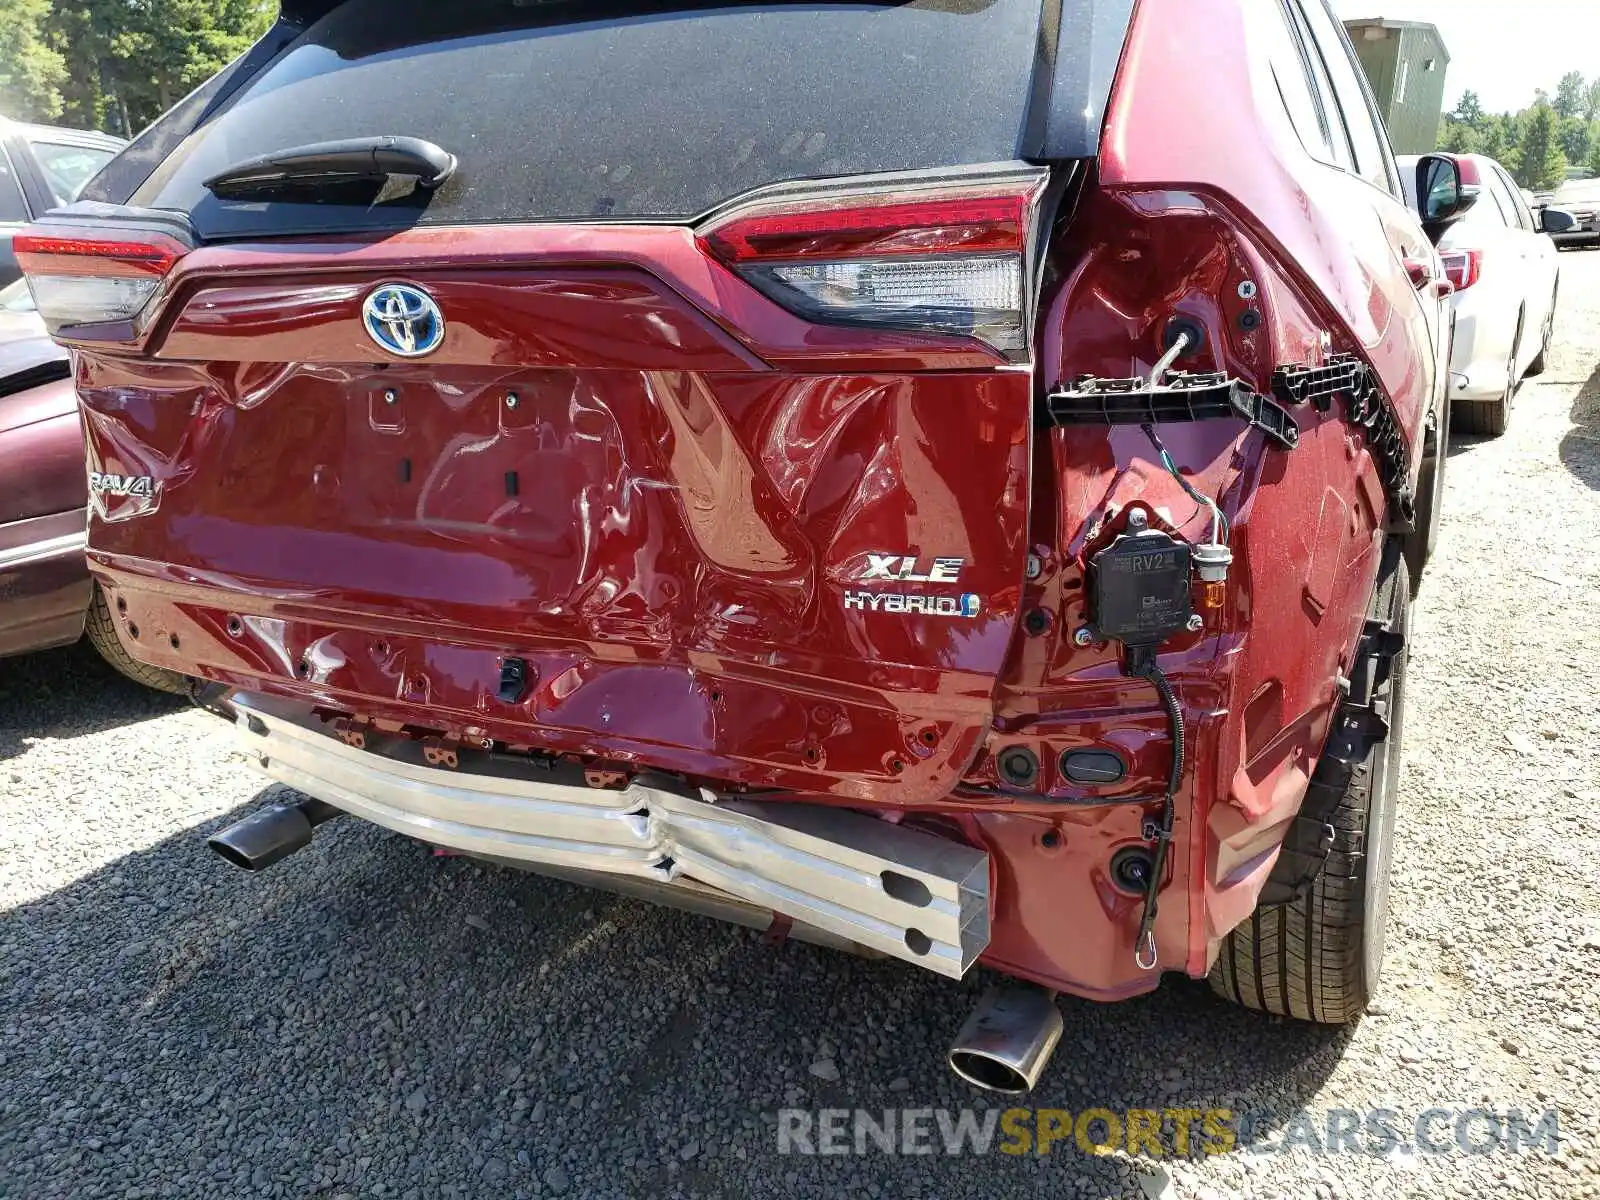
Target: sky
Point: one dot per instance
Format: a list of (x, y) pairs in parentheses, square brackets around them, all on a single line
[(1501, 51)]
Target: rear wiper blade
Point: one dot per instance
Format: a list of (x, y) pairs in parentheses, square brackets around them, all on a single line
[(335, 164)]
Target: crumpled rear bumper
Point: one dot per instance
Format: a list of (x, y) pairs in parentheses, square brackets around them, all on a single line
[(900, 891)]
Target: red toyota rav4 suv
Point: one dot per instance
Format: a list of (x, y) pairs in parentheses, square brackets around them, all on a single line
[(943, 477)]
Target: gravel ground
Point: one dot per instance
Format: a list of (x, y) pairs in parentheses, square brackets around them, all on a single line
[(370, 1021)]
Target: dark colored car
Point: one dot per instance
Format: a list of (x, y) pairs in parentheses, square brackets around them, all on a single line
[(46, 596), (941, 477), (42, 167)]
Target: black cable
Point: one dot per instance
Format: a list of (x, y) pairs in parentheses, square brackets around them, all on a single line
[(1171, 467), (1144, 666)]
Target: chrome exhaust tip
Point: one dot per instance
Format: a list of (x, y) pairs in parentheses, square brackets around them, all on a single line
[(271, 834), (1008, 1040)]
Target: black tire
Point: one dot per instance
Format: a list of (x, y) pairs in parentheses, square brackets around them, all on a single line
[(1317, 956), (1541, 362), (101, 629), (1430, 494)]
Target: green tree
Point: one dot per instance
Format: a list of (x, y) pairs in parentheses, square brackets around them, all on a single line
[(1542, 164), (1591, 100), (181, 44), (1497, 139), (1592, 167), (1574, 138), (1469, 109), (1457, 137), (31, 72), (131, 60), (1571, 96), (88, 35)]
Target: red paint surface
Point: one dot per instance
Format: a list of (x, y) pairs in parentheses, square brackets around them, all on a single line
[(42, 600), (41, 452), (700, 474)]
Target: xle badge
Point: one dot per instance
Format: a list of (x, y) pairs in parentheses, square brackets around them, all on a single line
[(904, 568)]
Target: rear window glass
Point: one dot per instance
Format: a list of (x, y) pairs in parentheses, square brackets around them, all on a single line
[(16, 298), (586, 111), (11, 206), (67, 168)]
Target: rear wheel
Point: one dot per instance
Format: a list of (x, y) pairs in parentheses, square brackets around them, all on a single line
[(1489, 418), (1541, 360), (1430, 493), (102, 630), (1317, 955)]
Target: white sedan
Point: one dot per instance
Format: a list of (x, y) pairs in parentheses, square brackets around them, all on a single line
[(1507, 275)]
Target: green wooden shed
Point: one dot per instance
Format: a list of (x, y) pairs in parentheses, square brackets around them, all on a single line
[(1405, 62)]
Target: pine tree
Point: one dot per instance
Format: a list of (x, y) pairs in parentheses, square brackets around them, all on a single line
[(1469, 110), (31, 73), (1570, 95), (1542, 163)]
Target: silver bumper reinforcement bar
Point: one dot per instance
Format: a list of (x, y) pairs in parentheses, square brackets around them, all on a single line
[(898, 891)]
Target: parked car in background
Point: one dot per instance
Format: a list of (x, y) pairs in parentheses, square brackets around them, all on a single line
[(46, 596), (42, 167), (1506, 273), (952, 528), (1581, 198)]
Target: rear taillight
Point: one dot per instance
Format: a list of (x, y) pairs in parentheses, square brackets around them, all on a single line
[(1462, 267), (82, 279), (945, 256)]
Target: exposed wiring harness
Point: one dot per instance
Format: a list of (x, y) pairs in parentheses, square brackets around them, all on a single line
[(1212, 560), (1142, 664), (1219, 523)]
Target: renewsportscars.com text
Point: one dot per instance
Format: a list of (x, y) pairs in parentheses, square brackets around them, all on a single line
[(1163, 1133)]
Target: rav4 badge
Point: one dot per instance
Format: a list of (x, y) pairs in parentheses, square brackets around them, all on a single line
[(121, 497), (102, 484)]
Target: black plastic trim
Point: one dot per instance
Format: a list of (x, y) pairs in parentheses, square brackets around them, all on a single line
[(1367, 407), (1182, 397), (1088, 51)]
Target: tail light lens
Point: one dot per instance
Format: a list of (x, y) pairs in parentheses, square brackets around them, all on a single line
[(1462, 267), (82, 279), (941, 256)]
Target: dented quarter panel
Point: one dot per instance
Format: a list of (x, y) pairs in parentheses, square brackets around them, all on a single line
[(1258, 683)]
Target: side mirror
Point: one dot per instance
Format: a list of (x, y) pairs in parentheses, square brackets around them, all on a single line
[(1442, 197), (1556, 220)]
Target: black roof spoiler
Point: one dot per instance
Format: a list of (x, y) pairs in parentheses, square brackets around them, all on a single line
[(304, 12)]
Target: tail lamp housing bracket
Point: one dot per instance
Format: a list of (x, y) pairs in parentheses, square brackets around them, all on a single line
[(1179, 397)]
